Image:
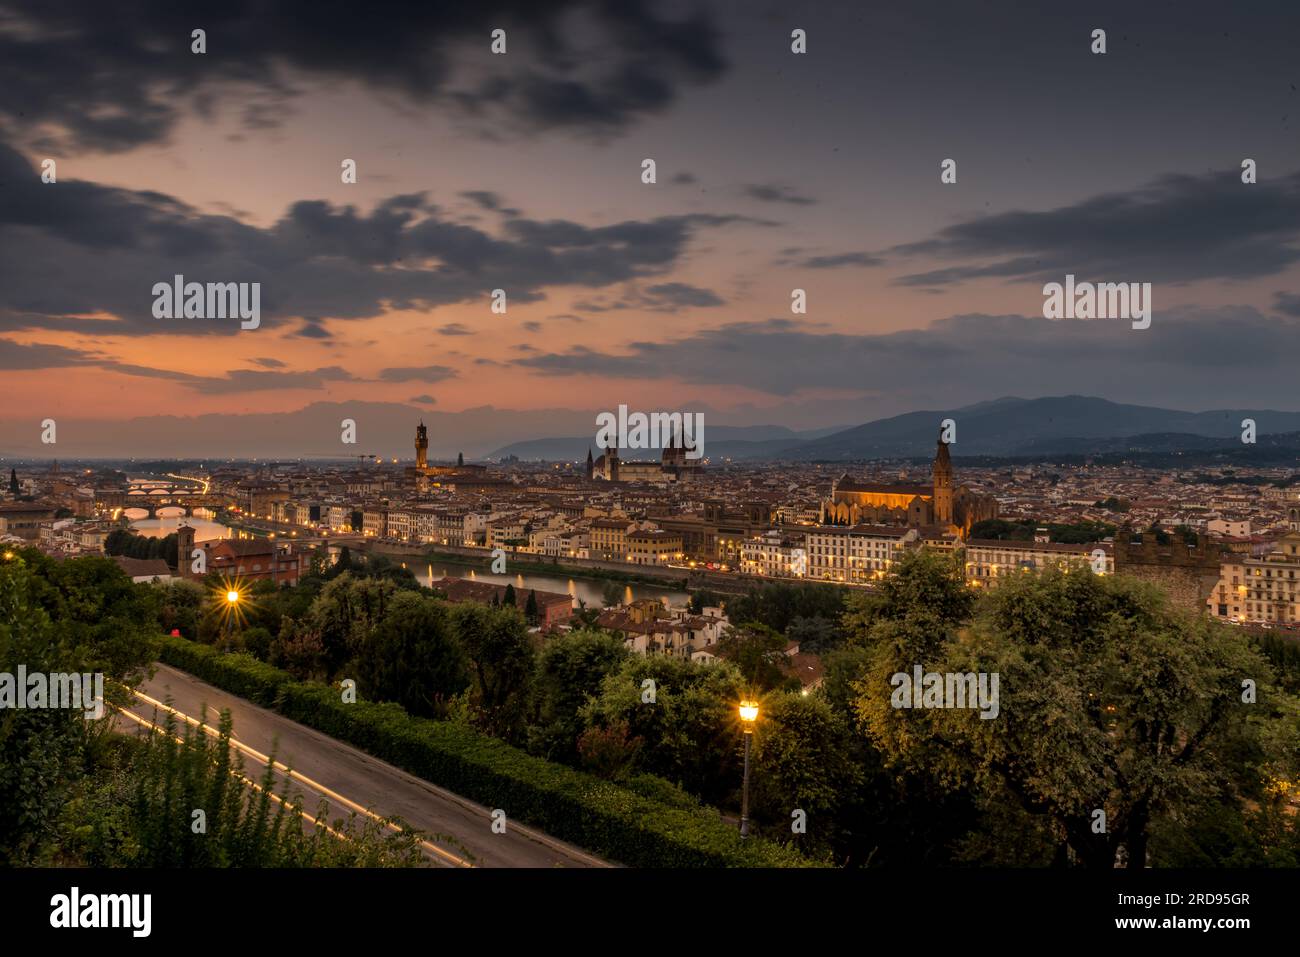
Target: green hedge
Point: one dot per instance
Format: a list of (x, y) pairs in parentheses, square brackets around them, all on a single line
[(602, 817)]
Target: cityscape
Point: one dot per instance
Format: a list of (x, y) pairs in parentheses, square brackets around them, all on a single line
[(816, 441)]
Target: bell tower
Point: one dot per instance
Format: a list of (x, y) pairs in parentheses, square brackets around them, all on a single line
[(421, 446), (942, 484)]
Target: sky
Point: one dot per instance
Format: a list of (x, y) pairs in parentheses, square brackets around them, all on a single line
[(522, 171)]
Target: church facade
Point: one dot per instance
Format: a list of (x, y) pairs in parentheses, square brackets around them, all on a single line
[(952, 507)]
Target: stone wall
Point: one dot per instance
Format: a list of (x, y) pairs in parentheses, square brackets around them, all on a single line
[(1188, 573)]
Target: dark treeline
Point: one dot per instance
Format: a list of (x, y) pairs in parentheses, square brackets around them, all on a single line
[(120, 541)]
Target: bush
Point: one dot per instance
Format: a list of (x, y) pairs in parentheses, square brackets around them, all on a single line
[(602, 817)]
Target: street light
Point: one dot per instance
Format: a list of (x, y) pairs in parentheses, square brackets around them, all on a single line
[(232, 603), (748, 718)]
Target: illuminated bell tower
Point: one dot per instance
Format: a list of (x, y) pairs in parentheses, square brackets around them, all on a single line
[(421, 446), (942, 485)]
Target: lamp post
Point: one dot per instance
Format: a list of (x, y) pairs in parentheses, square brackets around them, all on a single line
[(232, 602), (748, 717)]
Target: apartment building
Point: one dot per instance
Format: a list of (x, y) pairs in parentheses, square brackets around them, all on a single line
[(1260, 588), (775, 555), (608, 538), (856, 553), (988, 559), (652, 546)]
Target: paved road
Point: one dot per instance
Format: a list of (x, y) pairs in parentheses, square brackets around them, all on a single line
[(458, 831)]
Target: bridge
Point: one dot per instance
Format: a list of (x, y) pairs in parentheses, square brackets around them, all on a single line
[(186, 502)]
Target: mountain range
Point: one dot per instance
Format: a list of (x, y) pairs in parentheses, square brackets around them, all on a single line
[(1010, 426)]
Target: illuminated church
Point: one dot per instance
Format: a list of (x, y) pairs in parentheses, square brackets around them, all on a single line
[(952, 507)]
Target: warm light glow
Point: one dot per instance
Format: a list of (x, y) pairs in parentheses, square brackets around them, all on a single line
[(232, 597), (749, 712)]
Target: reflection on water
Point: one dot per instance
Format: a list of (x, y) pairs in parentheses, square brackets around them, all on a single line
[(592, 592), (171, 518)]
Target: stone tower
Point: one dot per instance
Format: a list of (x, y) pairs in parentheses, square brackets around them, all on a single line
[(184, 548), (591, 466), (942, 485), (611, 463), (421, 446)]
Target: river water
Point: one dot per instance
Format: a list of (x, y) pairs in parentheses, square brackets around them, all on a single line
[(589, 590), (204, 528)]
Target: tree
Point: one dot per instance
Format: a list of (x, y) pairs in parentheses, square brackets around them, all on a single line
[(413, 658), (690, 729), (757, 652), (531, 612), (802, 759), (814, 635), (609, 753), (78, 616), (1109, 700), (508, 599), (702, 599), (612, 594), (570, 670), (502, 660)]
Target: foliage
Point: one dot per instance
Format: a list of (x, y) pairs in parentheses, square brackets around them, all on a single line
[(1109, 699), (413, 657), (691, 734), (757, 652), (570, 670), (139, 812), (121, 541)]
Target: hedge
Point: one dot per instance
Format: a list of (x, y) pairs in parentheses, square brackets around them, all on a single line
[(609, 820)]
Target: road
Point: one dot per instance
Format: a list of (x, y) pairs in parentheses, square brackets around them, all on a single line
[(458, 831)]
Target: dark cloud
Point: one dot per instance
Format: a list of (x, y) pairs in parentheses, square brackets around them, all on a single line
[(841, 259), (111, 79), (39, 355), (76, 249), (311, 329), (418, 373), (972, 357), (661, 297), (532, 326), (424, 399), (31, 356), (257, 380), (776, 193), (487, 199), (1178, 228), (268, 363), (455, 329), (1287, 302), (679, 294)]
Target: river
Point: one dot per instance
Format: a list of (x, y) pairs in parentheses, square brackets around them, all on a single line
[(589, 590), (204, 528)]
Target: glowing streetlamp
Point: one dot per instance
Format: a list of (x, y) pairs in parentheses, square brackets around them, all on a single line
[(232, 608), (748, 718)]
